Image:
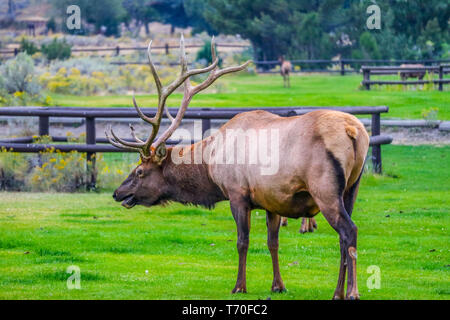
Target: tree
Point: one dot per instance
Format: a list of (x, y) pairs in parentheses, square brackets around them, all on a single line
[(142, 12), (101, 13)]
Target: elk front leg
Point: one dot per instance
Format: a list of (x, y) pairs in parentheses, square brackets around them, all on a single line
[(241, 214), (273, 226)]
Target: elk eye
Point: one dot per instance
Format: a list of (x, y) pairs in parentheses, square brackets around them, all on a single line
[(139, 172)]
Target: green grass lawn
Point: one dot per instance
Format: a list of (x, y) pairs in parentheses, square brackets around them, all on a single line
[(306, 90), (190, 253)]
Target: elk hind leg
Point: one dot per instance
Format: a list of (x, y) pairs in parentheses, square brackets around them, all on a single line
[(328, 193), (273, 227)]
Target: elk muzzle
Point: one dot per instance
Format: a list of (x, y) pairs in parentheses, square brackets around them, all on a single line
[(128, 200)]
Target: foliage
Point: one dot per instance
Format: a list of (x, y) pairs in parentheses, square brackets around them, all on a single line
[(51, 24), (322, 29), (28, 47), (72, 82), (141, 12), (204, 54), (57, 171), (57, 49), (18, 81), (13, 168)]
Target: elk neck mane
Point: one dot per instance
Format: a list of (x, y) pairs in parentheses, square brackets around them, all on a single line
[(190, 183)]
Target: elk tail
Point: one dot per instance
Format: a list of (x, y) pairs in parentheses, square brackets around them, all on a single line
[(352, 132)]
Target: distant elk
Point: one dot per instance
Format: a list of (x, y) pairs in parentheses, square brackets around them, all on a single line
[(285, 70), (420, 74), (320, 158), (308, 224)]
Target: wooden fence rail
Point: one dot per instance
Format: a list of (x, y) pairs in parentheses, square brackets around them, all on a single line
[(24, 144), (368, 71)]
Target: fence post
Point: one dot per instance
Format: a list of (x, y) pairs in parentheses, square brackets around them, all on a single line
[(441, 77), (166, 46), (366, 73), (206, 124), (117, 50), (44, 127), (342, 68), (90, 156), (376, 149)]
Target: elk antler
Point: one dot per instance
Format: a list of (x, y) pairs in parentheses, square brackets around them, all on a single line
[(144, 147)]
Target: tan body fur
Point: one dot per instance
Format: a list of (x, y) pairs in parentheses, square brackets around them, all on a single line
[(304, 140)]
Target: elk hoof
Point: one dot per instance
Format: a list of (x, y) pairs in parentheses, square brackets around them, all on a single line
[(278, 289), (338, 297), (353, 297), (239, 290)]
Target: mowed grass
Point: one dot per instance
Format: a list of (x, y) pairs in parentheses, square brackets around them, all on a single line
[(181, 252), (306, 90)]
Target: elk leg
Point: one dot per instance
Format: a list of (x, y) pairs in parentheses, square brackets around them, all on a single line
[(241, 214), (284, 222), (313, 224), (273, 226), (304, 227), (339, 219), (308, 225)]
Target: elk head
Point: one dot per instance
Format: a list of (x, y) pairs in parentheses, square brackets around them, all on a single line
[(146, 184)]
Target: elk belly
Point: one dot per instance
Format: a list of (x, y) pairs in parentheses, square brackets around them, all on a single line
[(300, 204)]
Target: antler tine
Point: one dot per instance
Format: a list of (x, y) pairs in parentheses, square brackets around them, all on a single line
[(152, 121), (120, 146), (133, 134), (126, 143), (189, 92), (213, 49), (153, 69)]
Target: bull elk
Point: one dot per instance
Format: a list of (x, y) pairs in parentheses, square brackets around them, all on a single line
[(321, 159), (285, 70)]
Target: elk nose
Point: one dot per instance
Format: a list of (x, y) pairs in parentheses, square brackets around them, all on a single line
[(114, 195)]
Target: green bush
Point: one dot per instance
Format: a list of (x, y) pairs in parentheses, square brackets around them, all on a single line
[(18, 80), (56, 49), (57, 171), (204, 54), (28, 47)]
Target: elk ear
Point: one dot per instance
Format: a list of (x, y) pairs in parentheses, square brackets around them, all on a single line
[(160, 153)]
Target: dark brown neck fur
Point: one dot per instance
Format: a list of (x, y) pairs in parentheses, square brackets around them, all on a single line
[(190, 183)]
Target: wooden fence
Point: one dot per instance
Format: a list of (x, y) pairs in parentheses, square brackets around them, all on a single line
[(117, 49), (368, 71), (24, 144)]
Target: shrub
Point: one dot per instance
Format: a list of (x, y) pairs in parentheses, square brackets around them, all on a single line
[(59, 172), (57, 50), (28, 47), (19, 76), (13, 168), (204, 54)]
